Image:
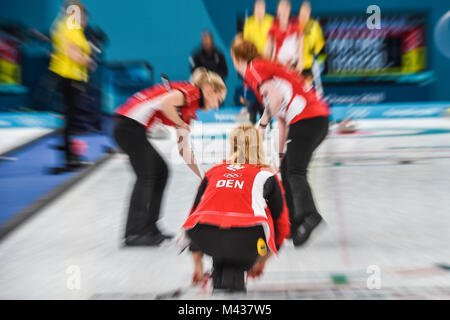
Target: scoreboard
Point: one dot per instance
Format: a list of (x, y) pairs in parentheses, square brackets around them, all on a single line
[(352, 49)]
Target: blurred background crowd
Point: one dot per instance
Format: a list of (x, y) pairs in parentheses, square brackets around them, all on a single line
[(82, 59)]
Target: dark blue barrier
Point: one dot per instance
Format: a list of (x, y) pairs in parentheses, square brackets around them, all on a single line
[(123, 79)]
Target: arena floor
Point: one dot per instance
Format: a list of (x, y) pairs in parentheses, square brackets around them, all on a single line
[(384, 192)]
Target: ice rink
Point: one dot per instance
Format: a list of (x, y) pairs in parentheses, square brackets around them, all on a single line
[(15, 137), (384, 192)]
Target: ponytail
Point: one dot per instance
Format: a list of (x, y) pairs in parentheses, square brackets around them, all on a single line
[(246, 146)]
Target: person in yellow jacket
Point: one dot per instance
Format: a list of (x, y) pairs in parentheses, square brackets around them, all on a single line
[(70, 62), (256, 30), (257, 27), (313, 43)]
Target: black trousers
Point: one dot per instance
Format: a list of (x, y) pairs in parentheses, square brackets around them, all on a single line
[(305, 135), (73, 92), (234, 247), (152, 173)]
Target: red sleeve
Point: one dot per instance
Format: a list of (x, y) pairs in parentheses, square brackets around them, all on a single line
[(191, 92), (261, 70), (258, 71), (191, 97)]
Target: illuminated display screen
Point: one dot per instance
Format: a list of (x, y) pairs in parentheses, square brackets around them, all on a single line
[(352, 49)]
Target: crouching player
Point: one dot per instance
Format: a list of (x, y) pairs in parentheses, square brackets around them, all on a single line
[(239, 216)]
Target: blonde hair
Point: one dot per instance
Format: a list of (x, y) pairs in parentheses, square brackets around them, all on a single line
[(201, 76), (246, 146)]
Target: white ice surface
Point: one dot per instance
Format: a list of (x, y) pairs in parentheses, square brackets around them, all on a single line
[(13, 137), (379, 212)]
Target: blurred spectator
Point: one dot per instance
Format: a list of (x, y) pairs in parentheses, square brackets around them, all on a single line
[(209, 57), (257, 26), (256, 29), (313, 44), (69, 62), (10, 60), (283, 44)]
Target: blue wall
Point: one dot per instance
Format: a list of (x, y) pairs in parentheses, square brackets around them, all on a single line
[(166, 32), (162, 32), (38, 14)]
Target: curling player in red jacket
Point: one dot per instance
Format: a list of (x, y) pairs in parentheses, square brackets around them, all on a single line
[(239, 216)]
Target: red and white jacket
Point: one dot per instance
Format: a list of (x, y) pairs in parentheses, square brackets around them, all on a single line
[(299, 101), (145, 108), (234, 198), (285, 42)]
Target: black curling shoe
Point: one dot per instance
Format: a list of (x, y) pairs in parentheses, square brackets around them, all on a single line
[(302, 234), (147, 240)]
